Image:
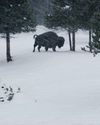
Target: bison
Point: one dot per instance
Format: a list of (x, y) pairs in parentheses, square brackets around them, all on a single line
[(48, 40)]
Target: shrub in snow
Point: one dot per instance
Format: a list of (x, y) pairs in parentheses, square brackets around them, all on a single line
[(7, 93)]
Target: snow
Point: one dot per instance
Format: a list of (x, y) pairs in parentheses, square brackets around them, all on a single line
[(66, 7), (57, 88)]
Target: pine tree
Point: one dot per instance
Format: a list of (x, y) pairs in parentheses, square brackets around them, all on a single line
[(72, 21), (86, 15), (65, 14), (15, 17), (95, 21), (56, 18)]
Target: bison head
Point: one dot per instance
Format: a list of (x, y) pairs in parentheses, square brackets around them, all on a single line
[(61, 41)]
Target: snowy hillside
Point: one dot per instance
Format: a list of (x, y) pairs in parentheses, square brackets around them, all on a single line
[(57, 88)]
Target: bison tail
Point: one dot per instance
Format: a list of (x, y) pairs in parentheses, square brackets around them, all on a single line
[(35, 36)]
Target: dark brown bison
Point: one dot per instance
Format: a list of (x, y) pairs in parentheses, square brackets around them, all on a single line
[(48, 40)]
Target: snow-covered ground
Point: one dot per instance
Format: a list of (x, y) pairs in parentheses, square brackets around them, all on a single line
[(57, 88)]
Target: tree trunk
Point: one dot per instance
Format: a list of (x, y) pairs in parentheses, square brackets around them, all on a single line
[(73, 38), (8, 47), (70, 42), (90, 42)]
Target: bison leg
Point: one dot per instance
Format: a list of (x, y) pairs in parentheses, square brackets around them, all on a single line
[(46, 48), (39, 48), (54, 48), (34, 47)]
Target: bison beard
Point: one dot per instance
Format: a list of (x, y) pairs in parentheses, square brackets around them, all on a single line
[(48, 40)]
